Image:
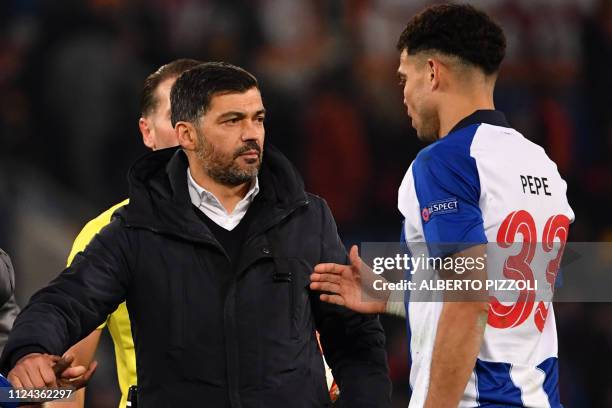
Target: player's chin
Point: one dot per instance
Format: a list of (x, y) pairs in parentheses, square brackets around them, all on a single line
[(422, 138), (420, 134), (426, 135), (416, 125)]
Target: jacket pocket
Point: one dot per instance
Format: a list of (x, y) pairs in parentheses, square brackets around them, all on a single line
[(295, 273)]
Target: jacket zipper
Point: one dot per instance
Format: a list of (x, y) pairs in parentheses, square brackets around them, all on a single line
[(233, 366)]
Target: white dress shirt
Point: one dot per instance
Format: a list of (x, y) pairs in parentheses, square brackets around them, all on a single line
[(212, 207)]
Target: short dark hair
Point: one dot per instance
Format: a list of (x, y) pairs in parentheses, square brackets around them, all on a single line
[(458, 30), (192, 92), (148, 99)]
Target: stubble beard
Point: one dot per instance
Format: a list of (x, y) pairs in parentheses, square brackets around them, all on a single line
[(223, 168), (429, 129)]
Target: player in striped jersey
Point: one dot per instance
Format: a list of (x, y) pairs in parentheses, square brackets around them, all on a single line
[(479, 182)]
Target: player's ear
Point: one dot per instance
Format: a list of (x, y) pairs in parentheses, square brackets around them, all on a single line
[(186, 135), (433, 73), (147, 133)]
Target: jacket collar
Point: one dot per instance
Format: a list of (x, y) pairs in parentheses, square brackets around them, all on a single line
[(159, 196)]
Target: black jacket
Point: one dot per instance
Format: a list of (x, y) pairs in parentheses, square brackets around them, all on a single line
[(202, 332)]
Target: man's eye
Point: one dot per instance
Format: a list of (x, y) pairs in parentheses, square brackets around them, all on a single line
[(402, 82), (261, 119), (233, 121)]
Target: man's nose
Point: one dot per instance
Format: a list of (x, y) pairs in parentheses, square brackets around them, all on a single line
[(251, 131)]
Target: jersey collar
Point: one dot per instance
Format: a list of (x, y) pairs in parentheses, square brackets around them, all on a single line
[(491, 117)]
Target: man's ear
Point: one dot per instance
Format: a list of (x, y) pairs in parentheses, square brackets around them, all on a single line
[(433, 71), (147, 133), (186, 135)]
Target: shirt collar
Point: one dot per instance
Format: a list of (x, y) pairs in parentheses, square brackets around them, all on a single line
[(199, 195), (489, 116)]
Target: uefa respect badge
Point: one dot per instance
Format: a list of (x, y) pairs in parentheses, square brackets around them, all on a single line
[(439, 207)]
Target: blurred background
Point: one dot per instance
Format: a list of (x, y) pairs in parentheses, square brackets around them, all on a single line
[(71, 72)]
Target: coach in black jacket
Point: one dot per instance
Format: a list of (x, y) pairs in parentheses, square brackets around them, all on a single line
[(220, 318)]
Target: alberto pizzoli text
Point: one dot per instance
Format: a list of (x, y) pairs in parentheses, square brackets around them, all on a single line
[(458, 285)]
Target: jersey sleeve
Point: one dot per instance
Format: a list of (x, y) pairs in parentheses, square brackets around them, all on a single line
[(448, 191), (88, 232)]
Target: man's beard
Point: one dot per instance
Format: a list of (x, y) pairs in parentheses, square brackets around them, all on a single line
[(429, 129), (223, 168)]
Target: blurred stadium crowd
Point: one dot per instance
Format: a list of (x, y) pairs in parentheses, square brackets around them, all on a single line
[(70, 78)]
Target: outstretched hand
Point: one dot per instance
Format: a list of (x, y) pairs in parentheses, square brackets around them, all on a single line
[(349, 285)]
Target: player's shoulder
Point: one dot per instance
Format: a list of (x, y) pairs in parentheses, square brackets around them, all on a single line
[(501, 139), (450, 155), (509, 147), (451, 148)]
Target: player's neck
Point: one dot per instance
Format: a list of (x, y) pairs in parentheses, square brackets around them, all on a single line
[(461, 106)]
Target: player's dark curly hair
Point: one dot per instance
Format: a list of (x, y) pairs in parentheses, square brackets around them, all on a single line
[(192, 92), (459, 30)]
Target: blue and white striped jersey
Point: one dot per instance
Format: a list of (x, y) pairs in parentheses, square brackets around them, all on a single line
[(485, 182)]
